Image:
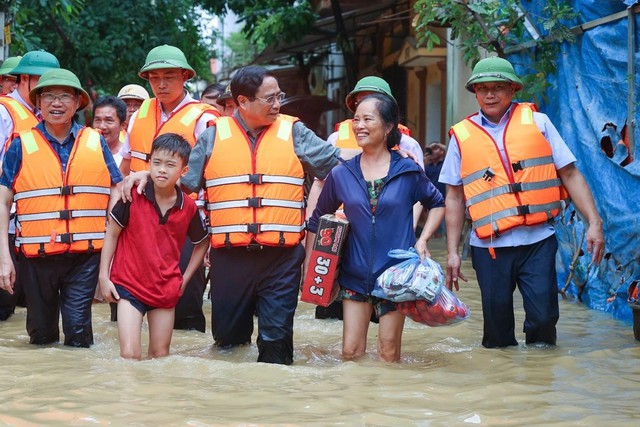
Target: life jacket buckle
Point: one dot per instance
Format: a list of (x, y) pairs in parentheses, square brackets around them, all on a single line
[(255, 202), (66, 190), (515, 187), (523, 210), (255, 178), (517, 166), (488, 174), (253, 228), (65, 214)]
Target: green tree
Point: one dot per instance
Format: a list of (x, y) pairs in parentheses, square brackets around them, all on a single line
[(499, 26), (268, 22), (105, 42)]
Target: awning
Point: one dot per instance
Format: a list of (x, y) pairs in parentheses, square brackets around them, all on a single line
[(323, 33)]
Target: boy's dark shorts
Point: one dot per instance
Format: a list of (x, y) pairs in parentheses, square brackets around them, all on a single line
[(381, 306), (135, 302)]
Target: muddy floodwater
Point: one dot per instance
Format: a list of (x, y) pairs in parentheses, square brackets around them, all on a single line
[(446, 378)]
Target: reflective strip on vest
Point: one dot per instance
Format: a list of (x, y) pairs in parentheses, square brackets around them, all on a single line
[(254, 179), (63, 215), (513, 188), (199, 203), (255, 202), (18, 108), (520, 210), (244, 228), (60, 238), (140, 155), (527, 163), (58, 191)]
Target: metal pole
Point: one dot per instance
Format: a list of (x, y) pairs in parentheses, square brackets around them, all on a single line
[(631, 80)]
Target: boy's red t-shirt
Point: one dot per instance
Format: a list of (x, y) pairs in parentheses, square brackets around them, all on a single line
[(146, 261)]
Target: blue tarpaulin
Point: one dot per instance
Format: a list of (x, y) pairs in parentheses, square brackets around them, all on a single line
[(588, 103)]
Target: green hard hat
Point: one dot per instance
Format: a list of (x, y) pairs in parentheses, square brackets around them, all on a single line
[(368, 84), (165, 56), (35, 63), (493, 69), (9, 64), (60, 77)]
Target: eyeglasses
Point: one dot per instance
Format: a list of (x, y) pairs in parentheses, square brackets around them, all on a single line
[(65, 98), (272, 99), (498, 89)]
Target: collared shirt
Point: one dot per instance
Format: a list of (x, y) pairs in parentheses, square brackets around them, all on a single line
[(6, 122), (13, 158), (315, 154), (201, 123), (196, 231), (562, 156)]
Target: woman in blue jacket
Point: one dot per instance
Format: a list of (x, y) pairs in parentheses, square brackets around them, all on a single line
[(378, 189)]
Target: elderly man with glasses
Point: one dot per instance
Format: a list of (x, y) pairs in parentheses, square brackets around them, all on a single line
[(508, 168), (61, 176)]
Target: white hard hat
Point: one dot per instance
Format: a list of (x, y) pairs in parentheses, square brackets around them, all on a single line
[(133, 92)]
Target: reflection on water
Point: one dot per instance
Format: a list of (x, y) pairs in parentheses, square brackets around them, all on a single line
[(446, 378)]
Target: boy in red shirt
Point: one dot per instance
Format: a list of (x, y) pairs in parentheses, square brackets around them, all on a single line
[(144, 239)]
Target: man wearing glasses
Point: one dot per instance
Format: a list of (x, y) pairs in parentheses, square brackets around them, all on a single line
[(61, 176), (507, 167), (253, 167)]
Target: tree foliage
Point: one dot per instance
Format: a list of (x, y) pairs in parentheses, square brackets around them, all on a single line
[(105, 42), (268, 22), (499, 26)]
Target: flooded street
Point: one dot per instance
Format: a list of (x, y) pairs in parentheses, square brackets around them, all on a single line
[(446, 378)]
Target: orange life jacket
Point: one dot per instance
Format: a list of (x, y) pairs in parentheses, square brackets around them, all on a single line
[(147, 127), (23, 118), (61, 212), (347, 139), (255, 194), (499, 196)]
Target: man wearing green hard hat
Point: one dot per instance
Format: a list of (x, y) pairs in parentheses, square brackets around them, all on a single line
[(508, 168), (17, 111), (61, 176), (172, 110), (8, 82), (17, 114)]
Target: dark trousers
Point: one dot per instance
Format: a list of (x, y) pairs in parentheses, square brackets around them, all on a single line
[(532, 269), (189, 314), (264, 283), (60, 284), (9, 301)]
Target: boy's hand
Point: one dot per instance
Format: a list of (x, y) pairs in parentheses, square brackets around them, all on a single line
[(108, 290), (138, 179)]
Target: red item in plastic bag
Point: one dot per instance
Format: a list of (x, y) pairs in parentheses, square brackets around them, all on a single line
[(446, 309)]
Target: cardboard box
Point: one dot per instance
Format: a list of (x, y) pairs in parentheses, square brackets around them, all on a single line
[(319, 285)]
